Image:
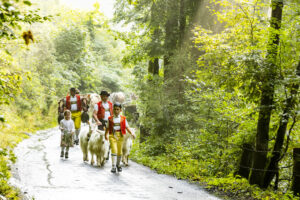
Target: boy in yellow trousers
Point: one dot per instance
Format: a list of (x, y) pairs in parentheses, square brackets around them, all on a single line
[(116, 129)]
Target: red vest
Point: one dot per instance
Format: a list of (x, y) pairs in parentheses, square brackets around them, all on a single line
[(122, 124), (68, 102), (101, 109)]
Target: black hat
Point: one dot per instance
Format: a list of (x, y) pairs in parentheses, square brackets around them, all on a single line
[(73, 89), (104, 93)]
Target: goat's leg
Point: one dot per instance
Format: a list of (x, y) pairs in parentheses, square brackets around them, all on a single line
[(92, 159), (123, 158), (102, 160), (98, 160), (86, 156)]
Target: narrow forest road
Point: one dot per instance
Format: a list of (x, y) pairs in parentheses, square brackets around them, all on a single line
[(43, 175)]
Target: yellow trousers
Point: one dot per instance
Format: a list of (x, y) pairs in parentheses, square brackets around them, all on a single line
[(116, 143), (76, 117)]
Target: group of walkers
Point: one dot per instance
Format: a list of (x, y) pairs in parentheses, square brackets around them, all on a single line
[(106, 115)]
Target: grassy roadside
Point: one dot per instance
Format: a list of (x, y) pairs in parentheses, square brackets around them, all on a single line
[(229, 187), (13, 131)]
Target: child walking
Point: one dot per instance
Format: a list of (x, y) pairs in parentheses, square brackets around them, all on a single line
[(67, 128), (116, 129)]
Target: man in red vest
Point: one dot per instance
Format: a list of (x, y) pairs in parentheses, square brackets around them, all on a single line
[(102, 110), (75, 103)]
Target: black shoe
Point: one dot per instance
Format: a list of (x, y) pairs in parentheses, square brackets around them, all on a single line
[(62, 154), (113, 170), (77, 141), (67, 155), (119, 168)]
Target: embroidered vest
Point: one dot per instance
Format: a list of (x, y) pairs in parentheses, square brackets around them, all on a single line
[(122, 124), (68, 102), (101, 109)]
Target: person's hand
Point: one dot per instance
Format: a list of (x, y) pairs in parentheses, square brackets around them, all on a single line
[(133, 135), (98, 123), (106, 136)]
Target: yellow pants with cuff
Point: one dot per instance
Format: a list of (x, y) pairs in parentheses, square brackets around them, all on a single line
[(76, 117), (116, 143)]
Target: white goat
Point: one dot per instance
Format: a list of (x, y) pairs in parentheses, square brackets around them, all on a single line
[(98, 146), (127, 144), (93, 98), (84, 140), (117, 97)]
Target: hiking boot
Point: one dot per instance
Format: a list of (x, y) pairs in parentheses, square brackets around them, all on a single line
[(67, 155), (113, 170), (62, 154), (119, 168)]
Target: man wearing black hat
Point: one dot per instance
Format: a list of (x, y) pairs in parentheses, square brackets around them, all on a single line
[(102, 110)]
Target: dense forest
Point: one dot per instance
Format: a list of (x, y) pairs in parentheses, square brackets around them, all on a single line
[(217, 84)]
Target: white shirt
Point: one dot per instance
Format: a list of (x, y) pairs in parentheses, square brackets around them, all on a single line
[(67, 126), (117, 120), (73, 101), (106, 107)]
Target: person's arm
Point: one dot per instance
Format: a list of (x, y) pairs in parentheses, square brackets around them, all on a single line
[(131, 133), (65, 104), (96, 118), (61, 125), (128, 129), (73, 128)]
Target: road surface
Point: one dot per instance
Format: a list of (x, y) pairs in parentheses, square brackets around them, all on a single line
[(43, 175)]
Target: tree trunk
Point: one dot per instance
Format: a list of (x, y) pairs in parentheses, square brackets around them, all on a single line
[(171, 37), (153, 67), (296, 172), (246, 161), (267, 93), (182, 22), (276, 154)]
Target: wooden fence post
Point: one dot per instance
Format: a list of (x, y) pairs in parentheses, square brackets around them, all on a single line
[(296, 172)]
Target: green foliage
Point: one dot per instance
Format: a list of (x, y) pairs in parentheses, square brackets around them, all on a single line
[(180, 161), (13, 14), (203, 105)]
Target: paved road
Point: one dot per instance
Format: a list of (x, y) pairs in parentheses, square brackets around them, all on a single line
[(43, 175)]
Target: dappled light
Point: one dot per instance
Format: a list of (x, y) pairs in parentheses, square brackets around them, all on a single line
[(149, 99)]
